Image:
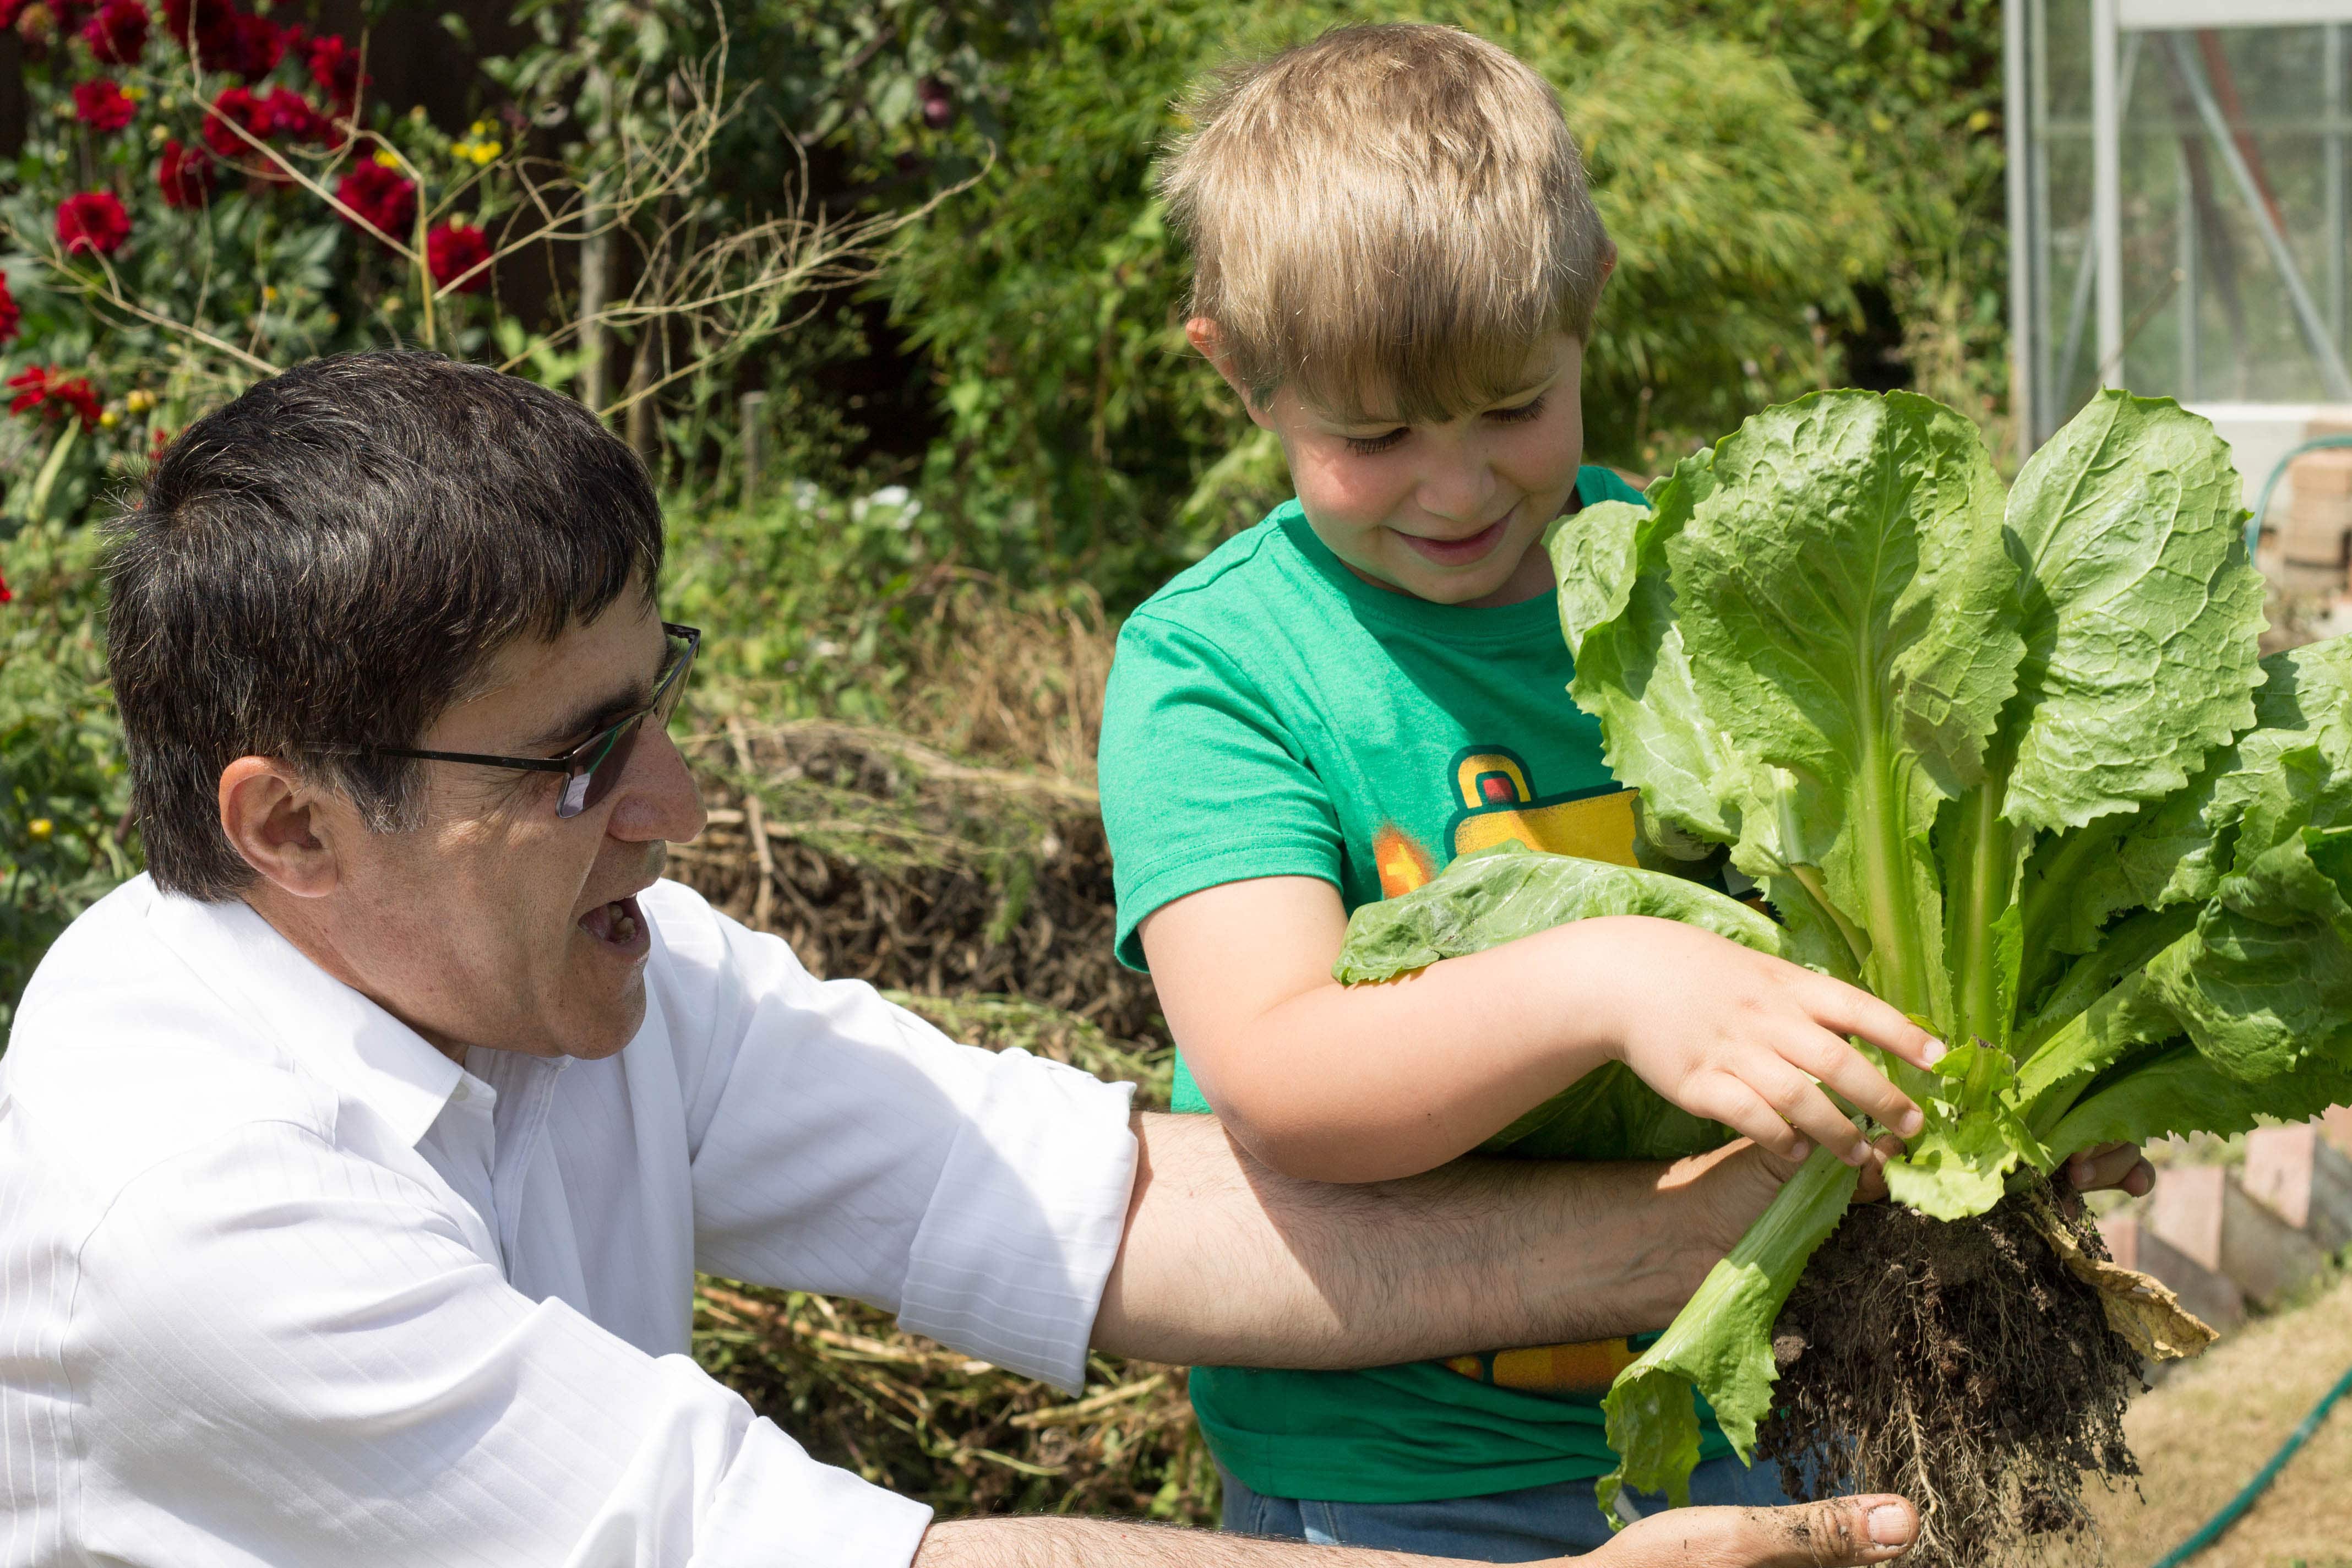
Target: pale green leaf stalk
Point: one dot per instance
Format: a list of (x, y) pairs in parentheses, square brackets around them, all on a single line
[(2013, 765)]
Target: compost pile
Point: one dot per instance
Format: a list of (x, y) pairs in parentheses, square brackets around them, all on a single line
[(2011, 759), (980, 898), (881, 859)]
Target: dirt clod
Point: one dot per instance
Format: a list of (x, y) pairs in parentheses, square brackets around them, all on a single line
[(1961, 1365)]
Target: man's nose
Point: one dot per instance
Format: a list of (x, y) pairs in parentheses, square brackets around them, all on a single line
[(658, 797)]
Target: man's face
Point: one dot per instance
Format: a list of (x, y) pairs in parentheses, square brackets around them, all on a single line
[(492, 922), (1449, 512)]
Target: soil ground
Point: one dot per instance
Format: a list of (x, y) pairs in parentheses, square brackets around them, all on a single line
[(2205, 1430)]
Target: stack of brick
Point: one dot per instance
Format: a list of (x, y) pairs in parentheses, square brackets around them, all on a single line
[(2315, 547), (2224, 1241)]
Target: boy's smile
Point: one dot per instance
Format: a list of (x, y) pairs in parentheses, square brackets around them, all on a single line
[(1451, 513)]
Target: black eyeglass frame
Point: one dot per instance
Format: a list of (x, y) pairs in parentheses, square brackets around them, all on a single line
[(579, 765)]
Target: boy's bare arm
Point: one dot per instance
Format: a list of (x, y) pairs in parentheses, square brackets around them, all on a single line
[(1816, 1535), (1364, 1083), (1226, 1263)]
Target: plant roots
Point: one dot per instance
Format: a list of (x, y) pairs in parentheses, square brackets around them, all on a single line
[(1960, 1365)]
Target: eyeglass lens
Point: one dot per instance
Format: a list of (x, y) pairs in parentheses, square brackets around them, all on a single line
[(585, 789)]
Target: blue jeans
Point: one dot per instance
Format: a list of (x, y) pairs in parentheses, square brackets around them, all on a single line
[(1520, 1526)]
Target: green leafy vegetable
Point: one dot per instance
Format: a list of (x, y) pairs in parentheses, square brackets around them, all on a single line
[(2012, 764)]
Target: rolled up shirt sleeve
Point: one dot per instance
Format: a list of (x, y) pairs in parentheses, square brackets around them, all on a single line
[(324, 1371), (841, 1145)]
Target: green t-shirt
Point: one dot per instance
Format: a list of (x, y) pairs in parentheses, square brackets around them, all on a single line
[(1271, 714)]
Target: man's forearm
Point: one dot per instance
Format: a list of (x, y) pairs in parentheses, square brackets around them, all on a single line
[(1226, 1263)]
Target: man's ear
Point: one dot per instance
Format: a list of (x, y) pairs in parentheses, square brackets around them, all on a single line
[(1608, 264), (271, 813), (1201, 333)]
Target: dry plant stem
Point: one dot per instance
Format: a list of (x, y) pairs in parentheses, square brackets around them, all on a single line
[(763, 902)]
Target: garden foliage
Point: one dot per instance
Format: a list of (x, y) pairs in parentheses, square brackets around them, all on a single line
[(2009, 761)]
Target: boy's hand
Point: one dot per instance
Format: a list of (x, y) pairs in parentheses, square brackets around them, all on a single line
[(1739, 1036)]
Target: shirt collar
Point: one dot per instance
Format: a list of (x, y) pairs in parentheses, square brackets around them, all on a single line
[(325, 1026)]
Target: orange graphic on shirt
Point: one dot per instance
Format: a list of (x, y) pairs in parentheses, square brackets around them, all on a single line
[(1403, 864)]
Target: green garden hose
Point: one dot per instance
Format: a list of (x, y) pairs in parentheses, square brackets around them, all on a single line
[(2263, 1478), (2278, 472)]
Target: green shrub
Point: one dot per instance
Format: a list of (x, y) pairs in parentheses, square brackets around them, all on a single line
[(64, 789)]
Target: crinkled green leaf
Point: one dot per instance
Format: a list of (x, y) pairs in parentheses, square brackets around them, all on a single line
[(2140, 611), (1845, 596), (2175, 848), (1617, 612), (1502, 894), (2182, 1090), (1720, 1342)]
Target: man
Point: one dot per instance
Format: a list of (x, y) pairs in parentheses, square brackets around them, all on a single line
[(354, 1165)]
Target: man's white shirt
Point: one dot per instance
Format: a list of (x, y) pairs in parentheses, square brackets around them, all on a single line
[(280, 1283)]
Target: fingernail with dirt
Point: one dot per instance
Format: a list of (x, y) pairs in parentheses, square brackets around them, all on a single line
[(1890, 1526)]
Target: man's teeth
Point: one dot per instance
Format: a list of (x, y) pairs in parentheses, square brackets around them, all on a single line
[(624, 925)]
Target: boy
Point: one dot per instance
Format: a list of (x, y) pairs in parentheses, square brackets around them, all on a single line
[(1397, 264)]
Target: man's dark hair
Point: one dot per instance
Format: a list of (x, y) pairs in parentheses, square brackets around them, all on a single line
[(331, 559)]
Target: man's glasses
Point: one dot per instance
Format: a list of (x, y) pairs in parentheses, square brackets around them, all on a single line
[(592, 767)]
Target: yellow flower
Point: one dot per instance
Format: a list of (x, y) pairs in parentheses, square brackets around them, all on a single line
[(108, 420), (479, 128), (1981, 120), (41, 827), (136, 94), (139, 400), (269, 293)]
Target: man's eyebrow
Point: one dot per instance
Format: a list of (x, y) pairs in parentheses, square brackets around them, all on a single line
[(588, 717)]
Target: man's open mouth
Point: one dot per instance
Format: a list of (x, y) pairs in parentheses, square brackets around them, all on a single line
[(619, 924)]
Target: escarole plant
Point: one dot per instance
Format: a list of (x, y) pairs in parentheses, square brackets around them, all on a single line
[(2009, 761)]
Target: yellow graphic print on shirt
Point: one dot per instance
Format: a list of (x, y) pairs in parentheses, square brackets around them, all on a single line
[(1498, 803), (1495, 802)]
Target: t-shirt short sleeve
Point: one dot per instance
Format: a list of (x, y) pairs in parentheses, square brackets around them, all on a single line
[(1202, 784)]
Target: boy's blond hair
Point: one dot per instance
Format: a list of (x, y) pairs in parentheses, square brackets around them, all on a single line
[(1389, 219)]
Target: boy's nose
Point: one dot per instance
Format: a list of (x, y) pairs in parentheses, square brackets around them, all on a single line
[(1462, 493)]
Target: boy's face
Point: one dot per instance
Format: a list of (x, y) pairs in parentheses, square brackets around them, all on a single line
[(1451, 513)]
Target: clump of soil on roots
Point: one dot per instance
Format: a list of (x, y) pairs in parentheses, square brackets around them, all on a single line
[(1961, 1365)]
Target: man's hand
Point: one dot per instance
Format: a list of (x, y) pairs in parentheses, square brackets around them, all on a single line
[(1808, 1535), (1844, 1531)]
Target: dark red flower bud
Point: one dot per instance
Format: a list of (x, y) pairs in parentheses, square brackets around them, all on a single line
[(458, 251)]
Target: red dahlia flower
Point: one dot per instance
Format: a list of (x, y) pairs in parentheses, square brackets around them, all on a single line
[(4, 594), (9, 324), (252, 48), (383, 197), (457, 250), (184, 175), (335, 67), (41, 386), (93, 221), (102, 104), (281, 115), (117, 35)]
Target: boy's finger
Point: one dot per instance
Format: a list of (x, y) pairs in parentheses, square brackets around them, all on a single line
[(1801, 1102), (1845, 1009), (1745, 1111), (1837, 1064)]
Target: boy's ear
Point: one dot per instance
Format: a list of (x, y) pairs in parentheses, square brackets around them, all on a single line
[(1607, 263), (1201, 333)]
